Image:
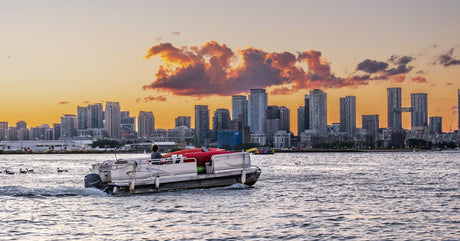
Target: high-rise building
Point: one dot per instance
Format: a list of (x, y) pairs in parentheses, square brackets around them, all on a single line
[(435, 124), (3, 131), (21, 125), (300, 120), (68, 127), (82, 116), (220, 122), (12, 134), (56, 131), (371, 124), (183, 121), (318, 111), (3, 125), (257, 105), (285, 118), (272, 122), (201, 125), (95, 116), (419, 115), (240, 108), (112, 119), (348, 116), (458, 109), (127, 125), (307, 112), (394, 108), (145, 124)]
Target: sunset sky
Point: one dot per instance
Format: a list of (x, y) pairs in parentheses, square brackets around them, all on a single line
[(167, 56)]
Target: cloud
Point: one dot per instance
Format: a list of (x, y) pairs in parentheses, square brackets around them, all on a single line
[(372, 66), (152, 98), (447, 60), (175, 33), (382, 69), (449, 84), (63, 102), (215, 69), (419, 79), (158, 39)]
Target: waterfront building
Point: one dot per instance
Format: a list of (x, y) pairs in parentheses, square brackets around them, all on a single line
[(300, 120), (318, 111), (82, 118), (307, 112), (145, 124), (56, 131), (348, 116), (240, 108), (201, 125), (458, 109), (419, 105), (272, 122), (285, 119), (257, 104), (228, 138), (127, 125), (68, 127), (220, 122), (282, 140), (371, 124), (39, 132), (394, 108), (21, 125), (95, 116), (3, 130), (259, 138), (183, 121), (112, 118), (435, 124)]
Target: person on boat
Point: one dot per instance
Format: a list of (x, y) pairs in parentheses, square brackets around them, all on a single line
[(155, 154)]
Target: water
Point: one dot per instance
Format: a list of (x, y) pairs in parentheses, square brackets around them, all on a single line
[(302, 196)]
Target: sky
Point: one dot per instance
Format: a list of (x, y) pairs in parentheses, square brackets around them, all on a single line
[(167, 56)]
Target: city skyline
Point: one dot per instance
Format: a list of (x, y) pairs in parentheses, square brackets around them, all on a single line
[(54, 58), (417, 114)]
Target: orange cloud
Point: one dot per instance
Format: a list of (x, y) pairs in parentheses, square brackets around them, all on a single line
[(215, 69), (151, 98), (63, 102)]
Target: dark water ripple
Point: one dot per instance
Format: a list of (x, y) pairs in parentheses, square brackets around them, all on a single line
[(317, 196)]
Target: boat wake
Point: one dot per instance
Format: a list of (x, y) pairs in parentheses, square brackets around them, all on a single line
[(233, 186), (17, 191)]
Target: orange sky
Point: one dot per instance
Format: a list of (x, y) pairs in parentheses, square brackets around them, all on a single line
[(54, 58)]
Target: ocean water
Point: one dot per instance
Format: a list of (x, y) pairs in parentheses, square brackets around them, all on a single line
[(299, 196)]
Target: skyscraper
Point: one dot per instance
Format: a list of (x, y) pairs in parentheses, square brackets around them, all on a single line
[(285, 117), (419, 104), (257, 105), (318, 111), (458, 109), (220, 122), (82, 118), (201, 125), (394, 108), (300, 120), (183, 121), (371, 123), (306, 117), (272, 122), (348, 115), (68, 127), (95, 116), (436, 124), (127, 125), (145, 124), (240, 108), (112, 119)]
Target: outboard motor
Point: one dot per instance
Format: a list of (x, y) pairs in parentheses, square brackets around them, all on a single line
[(93, 180)]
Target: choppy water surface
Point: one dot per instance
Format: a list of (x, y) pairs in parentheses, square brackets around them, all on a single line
[(303, 196)]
